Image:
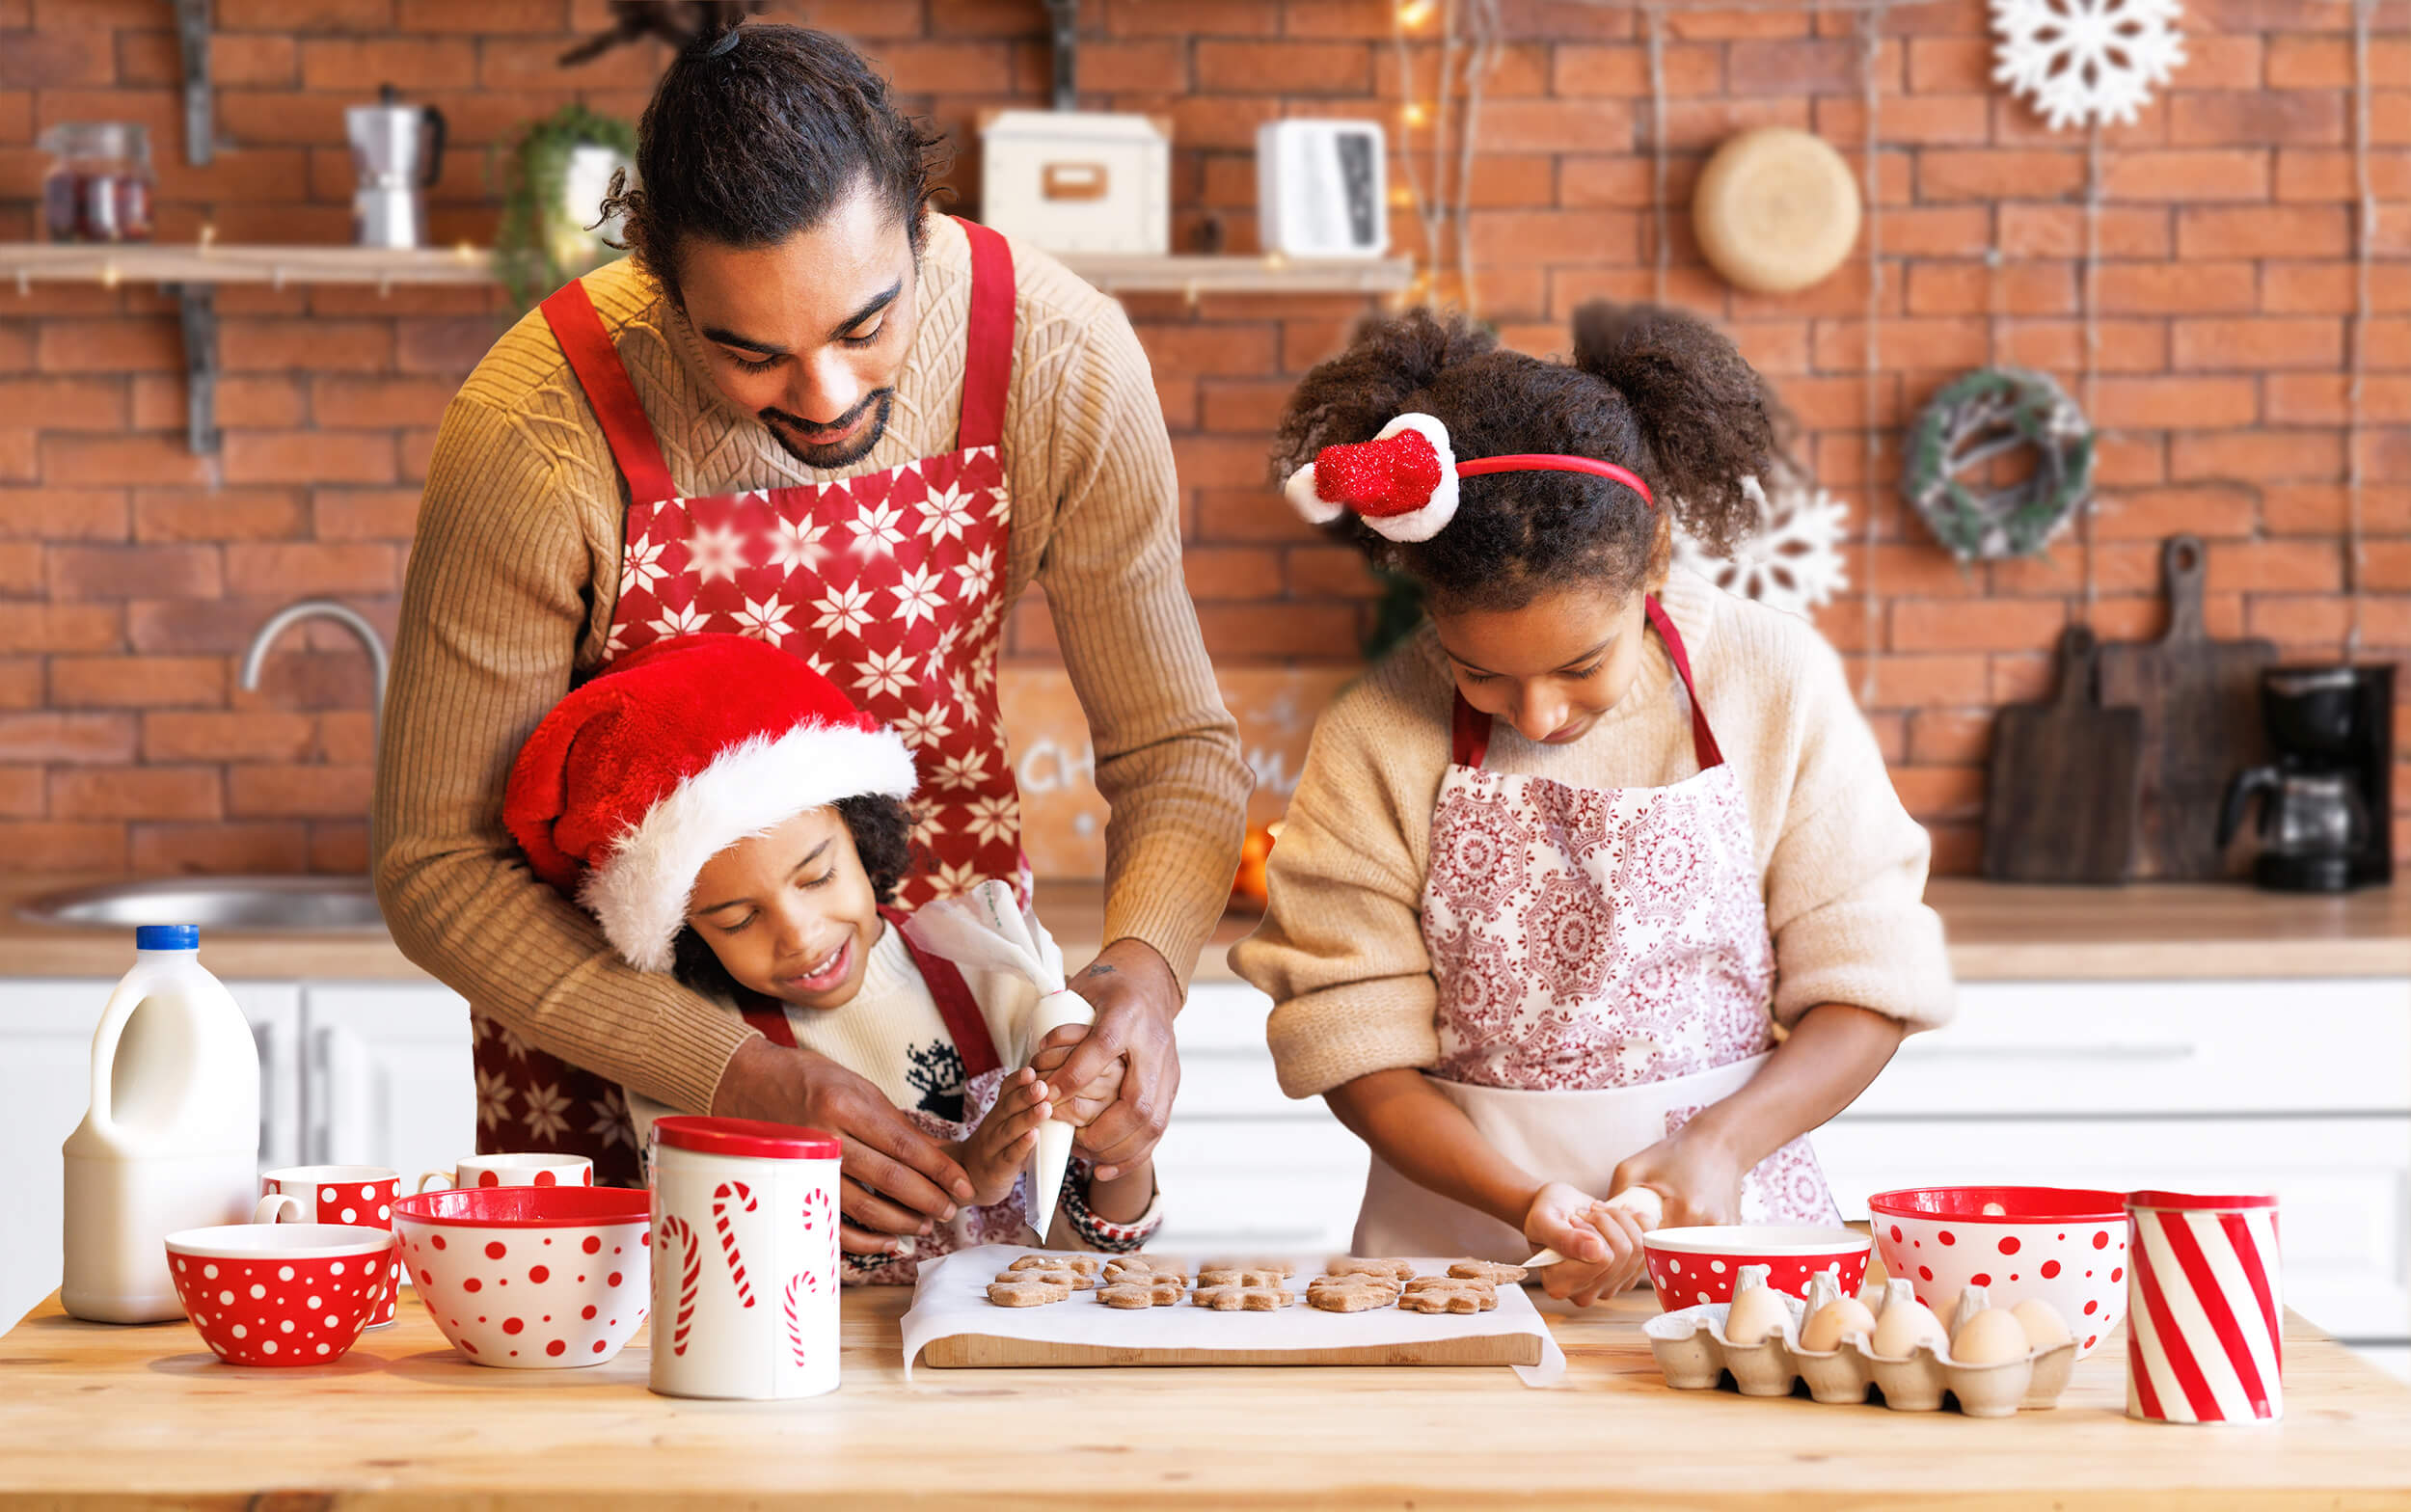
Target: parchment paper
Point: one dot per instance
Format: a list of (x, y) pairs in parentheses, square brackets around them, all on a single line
[(951, 1299)]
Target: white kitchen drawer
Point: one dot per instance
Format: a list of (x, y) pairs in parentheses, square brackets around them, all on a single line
[(2344, 1185), (390, 1078), (2333, 1045)]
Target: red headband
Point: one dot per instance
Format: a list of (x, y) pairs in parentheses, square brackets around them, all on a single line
[(1403, 482)]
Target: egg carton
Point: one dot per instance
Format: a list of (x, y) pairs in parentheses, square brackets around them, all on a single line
[(1694, 1356)]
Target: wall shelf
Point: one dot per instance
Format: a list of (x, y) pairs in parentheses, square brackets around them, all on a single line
[(192, 273)]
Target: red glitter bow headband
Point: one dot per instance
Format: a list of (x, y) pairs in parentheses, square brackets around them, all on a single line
[(1403, 481)]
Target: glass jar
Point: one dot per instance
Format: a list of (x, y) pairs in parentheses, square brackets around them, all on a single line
[(100, 187)]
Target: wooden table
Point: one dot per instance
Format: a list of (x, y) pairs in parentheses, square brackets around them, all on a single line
[(94, 1416)]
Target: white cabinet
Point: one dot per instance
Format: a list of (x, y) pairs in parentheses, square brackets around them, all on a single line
[(387, 1079), (45, 1086)]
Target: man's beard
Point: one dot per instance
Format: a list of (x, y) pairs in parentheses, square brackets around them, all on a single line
[(844, 454)]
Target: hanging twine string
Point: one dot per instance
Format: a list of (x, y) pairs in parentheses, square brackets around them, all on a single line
[(1487, 29), (1871, 61), (2364, 241), (2091, 345), (1663, 250), (1441, 201)]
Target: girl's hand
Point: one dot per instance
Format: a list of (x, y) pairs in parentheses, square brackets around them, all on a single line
[(995, 1153), (1697, 1176), (1079, 1108), (1601, 1244)]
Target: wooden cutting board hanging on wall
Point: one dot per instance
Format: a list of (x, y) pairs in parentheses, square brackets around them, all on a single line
[(2059, 801), (2201, 708)]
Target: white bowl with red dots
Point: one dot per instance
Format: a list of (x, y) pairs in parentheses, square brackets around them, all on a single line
[(531, 1277), (2063, 1245), (281, 1294), (1692, 1266)]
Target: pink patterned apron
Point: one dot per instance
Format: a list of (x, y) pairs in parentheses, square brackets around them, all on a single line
[(1604, 973), (890, 584)]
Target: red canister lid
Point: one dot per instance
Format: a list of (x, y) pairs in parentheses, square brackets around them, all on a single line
[(2187, 1202), (751, 1137)]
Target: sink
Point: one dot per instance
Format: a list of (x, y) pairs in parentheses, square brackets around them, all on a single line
[(260, 904)]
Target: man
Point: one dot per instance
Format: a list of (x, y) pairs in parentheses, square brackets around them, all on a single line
[(809, 411)]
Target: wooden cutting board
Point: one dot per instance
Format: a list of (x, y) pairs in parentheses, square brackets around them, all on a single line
[(2060, 800), (2199, 702), (981, 1351)]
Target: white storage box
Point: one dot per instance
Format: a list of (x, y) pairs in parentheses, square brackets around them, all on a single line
[(1322, 189), (1078, 180)]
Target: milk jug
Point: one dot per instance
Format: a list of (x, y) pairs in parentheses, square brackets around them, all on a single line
[(172, 1140)]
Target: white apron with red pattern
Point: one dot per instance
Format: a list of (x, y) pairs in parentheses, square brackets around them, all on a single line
[(889, 583), (1604, 973)]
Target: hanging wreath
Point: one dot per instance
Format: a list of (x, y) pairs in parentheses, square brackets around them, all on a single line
[(1985, 415), (543, 241)]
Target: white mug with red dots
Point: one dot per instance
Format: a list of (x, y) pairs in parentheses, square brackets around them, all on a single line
[(744, 1259), (354, 1197), (511, 1170)]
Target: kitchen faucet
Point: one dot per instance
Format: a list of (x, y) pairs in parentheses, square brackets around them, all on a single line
[(343, 615)]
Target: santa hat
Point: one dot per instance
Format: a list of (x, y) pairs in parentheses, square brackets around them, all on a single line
[(1403, 482), (681, 749)]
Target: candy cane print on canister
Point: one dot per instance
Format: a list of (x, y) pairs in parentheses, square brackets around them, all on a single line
[(2206, 1308), (766, 1194)]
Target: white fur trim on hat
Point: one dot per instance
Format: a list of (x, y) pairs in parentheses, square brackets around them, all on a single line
[(640, 894), (1419, 524)]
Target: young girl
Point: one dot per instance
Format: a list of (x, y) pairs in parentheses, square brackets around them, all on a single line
[(1597, 883), (727, 814)]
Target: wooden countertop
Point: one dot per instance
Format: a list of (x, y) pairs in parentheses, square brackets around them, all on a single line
[(1997, 933), (94, 1415)]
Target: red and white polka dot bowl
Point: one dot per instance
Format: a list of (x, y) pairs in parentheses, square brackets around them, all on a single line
[(2065, 1245), (531, 1277), (281, 1294), (1689, 1266)]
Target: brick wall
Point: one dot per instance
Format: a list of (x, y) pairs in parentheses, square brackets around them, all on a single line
[(131, 573)]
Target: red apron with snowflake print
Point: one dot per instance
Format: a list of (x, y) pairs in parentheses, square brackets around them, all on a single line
[(889, 583), (1604, 971)]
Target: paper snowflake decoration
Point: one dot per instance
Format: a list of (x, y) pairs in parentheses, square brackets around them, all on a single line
[(1793, 563), (2080, 62)]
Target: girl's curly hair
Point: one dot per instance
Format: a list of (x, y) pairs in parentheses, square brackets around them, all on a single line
[(757, 132), (1650, 389), (881, 829)]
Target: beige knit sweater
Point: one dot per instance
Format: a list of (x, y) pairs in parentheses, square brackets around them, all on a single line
[(1340, 949), (516, 567)]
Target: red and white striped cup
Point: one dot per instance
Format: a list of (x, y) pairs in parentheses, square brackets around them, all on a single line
[(2204, 1309)]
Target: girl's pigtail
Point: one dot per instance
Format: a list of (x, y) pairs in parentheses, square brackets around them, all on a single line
[(1706, 417), (1388, 360)]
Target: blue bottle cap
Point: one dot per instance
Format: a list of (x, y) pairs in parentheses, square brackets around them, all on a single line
[(167, 937)]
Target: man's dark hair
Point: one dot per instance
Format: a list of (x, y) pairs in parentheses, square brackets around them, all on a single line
[(758, 132), (881, 829)]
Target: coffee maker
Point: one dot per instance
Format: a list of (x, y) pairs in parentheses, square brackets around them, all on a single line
[(2328, 802), (397, 151)]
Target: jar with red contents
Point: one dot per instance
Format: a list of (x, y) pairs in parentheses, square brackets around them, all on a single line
[(101, 186)]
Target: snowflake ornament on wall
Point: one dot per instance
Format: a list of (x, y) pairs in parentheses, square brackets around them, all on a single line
[(1793, 563), (2086, 62)]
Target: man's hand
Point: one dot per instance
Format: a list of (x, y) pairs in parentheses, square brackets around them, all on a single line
[(1136, 997), (897, 1177)]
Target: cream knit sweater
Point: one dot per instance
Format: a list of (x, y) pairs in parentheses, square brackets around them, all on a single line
[(516, 568), (1340, 949)]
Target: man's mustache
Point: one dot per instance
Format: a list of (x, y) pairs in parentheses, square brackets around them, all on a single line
[(841, 423)]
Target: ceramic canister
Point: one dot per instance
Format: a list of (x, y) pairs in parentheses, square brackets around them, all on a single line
[(744, 1259), (2206, 1306)]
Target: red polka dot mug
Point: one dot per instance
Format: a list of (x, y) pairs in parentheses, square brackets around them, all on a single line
[(512, 1170), (358, 1196), (531, 1277), (281, 1294)]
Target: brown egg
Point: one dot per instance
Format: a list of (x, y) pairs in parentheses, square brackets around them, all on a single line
[(2045, 1328), (1905, 1324), (1991, 1338), (1755, 1316), (1836, 1321)]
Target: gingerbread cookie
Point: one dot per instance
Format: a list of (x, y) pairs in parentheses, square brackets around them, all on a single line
[(1236, 1298), (1143, 1267), (1395, 1272), (1066, 1278), (1085, 1264), (1491, 1270), (1353, 1293), (1232, 1276), (1448, 1294), (1162, 1292), (1281, 1268), (1025, 1293)]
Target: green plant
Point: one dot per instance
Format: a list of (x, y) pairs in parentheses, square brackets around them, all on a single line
[(538, 247), (1396, 614)]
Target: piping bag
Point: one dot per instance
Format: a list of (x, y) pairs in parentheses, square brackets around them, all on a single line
[(989, 930), (1644, 1202)]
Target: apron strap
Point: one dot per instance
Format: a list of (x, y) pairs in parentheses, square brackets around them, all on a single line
[(1469, 734), (595, 360), (987, 344), (944, 979)]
